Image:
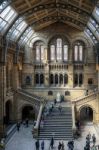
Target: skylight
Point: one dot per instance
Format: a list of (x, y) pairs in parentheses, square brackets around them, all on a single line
[(18, 27), (6, 17), (26, 36)]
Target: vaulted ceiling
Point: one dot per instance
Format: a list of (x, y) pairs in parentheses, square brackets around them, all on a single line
[(42, 13)]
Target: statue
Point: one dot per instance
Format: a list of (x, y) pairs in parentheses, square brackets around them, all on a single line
[(58, 99)]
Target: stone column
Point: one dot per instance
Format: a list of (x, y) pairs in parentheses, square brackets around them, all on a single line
[(15, 76), (2, 97)]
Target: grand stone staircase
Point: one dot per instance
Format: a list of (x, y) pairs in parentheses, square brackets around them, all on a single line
[(58, 124)]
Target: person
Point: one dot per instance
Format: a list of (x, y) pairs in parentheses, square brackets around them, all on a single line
[(62, 146), (55, 101), (18, 126), (42, 124), (93, 139), (60, 108), (78, 124), (27, 122), (93, 147), (37, 145), (59, 146), (70, 145), (52, 143), (42, 145)]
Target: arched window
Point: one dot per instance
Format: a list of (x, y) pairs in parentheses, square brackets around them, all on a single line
[(51, 79), (28, 80), (65, 53), (52, 52), (65, 79), (76, 79), (37, 78), (78, 51), (61, 79), (41, 79), (56, 79), (39, 51), (80, 79), (58, 49)]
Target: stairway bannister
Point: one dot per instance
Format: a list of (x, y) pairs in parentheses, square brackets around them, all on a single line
[(85, 99), (73, 118), (36, 127)]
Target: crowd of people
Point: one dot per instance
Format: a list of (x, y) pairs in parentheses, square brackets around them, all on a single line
[(91, 139), (60, 146)]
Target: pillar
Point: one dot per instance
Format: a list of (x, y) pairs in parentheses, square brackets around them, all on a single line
[(2, 97)]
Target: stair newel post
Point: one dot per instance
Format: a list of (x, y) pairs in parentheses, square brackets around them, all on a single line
[(73, 118)]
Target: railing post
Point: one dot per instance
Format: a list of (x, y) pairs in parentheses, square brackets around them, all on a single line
[(73, 118)]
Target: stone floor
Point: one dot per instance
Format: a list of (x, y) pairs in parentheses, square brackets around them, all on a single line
[(23, 139)]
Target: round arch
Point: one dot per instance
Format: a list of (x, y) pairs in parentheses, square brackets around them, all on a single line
[(86, 113), (37, 38), (8, 112), (28, 111), (58, 35)]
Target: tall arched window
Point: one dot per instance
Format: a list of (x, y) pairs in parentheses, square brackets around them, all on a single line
[(39, 51), (65, 79), (51, 79), (80, 79), (56, 79), (37, 78), (65, 53), (78, 51), (41, 79), (76, 79), (58, 49), (52, 52), (61, 79)]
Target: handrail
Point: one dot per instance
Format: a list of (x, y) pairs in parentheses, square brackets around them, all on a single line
[(36, 127), (33, 96), (93, 94)]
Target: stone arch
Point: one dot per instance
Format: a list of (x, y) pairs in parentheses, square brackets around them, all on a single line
[(37, 38), (83, 39), (49, 38), (8, 112), (27, 108), (86, 113)]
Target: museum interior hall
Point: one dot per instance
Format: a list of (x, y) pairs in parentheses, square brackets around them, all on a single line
[(49, 67)]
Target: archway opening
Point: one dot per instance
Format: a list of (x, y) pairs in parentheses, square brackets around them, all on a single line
[(28, 112), (86, 114), (8, 112)]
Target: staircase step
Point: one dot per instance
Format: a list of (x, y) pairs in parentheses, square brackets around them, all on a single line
[(59, 124)]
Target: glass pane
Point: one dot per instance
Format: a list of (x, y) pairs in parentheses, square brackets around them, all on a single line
[(38, 53), (76, 53), (59, 42), (10, 14), (52, 51), (5, 12), (42, 52), (65, 52), (80, 52)]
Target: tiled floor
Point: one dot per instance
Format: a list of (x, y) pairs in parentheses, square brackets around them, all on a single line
[(23, 140)]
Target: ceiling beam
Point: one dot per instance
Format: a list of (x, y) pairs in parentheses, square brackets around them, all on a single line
[(60, 5), (28, 3)]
